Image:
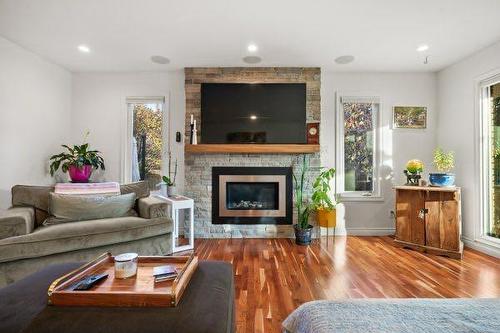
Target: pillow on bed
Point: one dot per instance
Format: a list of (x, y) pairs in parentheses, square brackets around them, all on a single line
[(70, 208)]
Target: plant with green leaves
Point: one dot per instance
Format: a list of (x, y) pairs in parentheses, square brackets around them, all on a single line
[(301, 202), (321, 197), (78, 155), (444, 161), (170, 180)]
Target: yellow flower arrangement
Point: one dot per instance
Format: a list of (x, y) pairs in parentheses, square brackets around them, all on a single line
[(415, 166)]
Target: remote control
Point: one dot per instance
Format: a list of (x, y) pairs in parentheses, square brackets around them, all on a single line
[(88, 282)]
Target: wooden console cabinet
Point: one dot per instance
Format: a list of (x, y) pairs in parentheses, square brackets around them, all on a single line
[(429, 219)]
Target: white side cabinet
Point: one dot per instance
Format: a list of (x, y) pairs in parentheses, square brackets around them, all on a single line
[(177, 203)]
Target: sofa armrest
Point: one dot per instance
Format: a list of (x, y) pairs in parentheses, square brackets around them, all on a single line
[(152, 207), (17, 221)]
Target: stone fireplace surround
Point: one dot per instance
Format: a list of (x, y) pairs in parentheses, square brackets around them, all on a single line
[(198, 167)]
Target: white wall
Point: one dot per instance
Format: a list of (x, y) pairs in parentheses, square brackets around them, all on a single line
[(457, 107), (399, 146), (35, 102), (99, 105)]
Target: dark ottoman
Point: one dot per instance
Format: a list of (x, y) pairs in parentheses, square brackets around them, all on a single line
[(206, 306)]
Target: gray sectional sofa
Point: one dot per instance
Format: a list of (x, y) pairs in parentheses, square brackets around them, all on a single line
[(26, 245)]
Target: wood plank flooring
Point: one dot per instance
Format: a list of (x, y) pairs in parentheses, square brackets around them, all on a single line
[(275, 276)]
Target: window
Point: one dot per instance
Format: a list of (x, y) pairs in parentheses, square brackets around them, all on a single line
[(145, 140), (490, 151), (357, 147)]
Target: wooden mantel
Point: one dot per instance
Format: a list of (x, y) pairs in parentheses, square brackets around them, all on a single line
[(252, 148)]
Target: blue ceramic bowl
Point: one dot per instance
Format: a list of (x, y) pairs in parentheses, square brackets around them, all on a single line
[(442, 179)]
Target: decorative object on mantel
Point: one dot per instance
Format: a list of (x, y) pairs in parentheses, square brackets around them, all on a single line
[(194, 134), (167, 186), (78, 161), (303, 229), (444, 163), (313, 133), (191, 126), (322, 203), (410, 117), (413, 171)]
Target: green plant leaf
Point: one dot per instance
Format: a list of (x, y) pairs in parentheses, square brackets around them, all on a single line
[(78, 156)]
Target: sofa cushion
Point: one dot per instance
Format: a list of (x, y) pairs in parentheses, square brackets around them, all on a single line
[(74, 236), (141, 189), (38, 196), (69, 208)]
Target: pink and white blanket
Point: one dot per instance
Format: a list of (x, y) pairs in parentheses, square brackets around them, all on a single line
[(108, 188)]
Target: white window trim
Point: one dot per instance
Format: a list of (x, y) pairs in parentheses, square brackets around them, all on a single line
[(127, 132), (483, 171), (376, 194)]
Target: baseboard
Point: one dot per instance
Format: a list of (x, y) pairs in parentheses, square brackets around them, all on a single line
[(370, 231), (482, 247)]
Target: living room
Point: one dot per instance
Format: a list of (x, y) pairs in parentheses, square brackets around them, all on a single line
[(285, 166)]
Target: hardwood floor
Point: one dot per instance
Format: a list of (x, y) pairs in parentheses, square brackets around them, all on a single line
[(275, 276)]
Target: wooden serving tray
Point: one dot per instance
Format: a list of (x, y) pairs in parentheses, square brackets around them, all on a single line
[(137, 291)]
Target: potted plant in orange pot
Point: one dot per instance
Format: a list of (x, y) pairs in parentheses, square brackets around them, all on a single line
[(322, 202)]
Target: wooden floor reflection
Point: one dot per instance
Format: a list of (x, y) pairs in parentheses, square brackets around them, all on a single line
[(274, 276)]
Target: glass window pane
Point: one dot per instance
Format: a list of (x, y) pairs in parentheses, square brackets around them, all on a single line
[(147, 143), (359, 120), (493, 223)]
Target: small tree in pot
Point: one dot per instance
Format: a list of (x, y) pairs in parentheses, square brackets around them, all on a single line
[(303, 229), (78, 161), (323, 204), (444, 163)]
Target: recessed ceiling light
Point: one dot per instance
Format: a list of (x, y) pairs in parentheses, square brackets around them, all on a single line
[(252, 48), (83, 48), (157, 59), (422, 48), (252, 59), (344, 60), (253, 117)]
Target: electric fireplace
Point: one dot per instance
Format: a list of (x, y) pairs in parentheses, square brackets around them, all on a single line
[(251, 195)]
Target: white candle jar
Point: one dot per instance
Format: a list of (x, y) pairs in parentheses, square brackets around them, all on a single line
[(126, 265)]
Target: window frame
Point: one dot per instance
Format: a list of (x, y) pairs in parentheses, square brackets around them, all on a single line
[(483, 102), (127, 133), (375, 194)]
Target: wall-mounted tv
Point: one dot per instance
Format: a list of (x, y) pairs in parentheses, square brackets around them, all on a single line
[(253, 113)]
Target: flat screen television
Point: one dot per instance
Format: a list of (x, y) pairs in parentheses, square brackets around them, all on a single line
[(253, 113)]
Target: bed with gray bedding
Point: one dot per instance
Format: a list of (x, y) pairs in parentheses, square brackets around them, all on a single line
[(396, 316)]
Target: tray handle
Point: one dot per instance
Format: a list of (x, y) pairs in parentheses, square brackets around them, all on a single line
[(56, 283), (178, 278)]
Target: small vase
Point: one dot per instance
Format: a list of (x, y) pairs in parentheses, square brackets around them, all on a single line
[(163, 189), (80, 175), (171, 191)]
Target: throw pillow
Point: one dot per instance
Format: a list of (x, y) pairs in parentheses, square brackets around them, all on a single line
[(70, 208)]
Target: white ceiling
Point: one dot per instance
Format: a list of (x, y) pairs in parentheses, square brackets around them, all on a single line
[(124, 34)]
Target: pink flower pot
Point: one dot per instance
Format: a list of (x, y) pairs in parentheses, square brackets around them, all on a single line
[(80, 175)]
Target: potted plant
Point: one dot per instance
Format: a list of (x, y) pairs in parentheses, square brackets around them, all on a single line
[(322, 202), (413, 171), (169, 181), (303, 229), (444, 163), (78, 161)]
